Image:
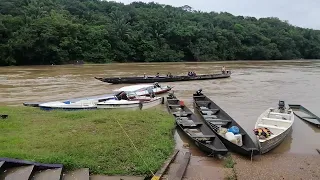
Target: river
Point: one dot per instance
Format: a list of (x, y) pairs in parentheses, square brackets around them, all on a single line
[(253, 87)]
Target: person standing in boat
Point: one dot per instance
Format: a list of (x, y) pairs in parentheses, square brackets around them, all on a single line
[(151, 93), (157, 75), (223, 70)]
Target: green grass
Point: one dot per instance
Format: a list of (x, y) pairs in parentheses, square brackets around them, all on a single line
[(229, 162), (91, 139)]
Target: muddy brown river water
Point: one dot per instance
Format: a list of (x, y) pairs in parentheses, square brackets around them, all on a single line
[(253, 87)]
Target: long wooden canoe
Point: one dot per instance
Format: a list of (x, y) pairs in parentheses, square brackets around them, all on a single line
[(217, 119), (141, 79), (304, 114), (194, 128)]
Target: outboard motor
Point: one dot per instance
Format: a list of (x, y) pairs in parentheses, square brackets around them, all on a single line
[(156, 85), (282, 106), (199, 92)]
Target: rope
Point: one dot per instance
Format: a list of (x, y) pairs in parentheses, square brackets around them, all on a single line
[(135, 147)]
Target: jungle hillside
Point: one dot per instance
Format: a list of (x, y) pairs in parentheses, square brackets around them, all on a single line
[(36, 32)]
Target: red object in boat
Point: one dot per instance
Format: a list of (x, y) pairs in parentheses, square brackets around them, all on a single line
[(181, 103)]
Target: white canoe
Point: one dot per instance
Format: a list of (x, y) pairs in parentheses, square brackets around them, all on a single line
[(76, 104), (130, 104), (67, 105), (142, 89), (279, 123)]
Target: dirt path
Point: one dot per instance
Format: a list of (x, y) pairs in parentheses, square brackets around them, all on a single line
[(278, 166)]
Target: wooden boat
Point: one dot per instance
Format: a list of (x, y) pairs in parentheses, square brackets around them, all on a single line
[(276, 125), (142, 79), (304, 114), (219, 121), (194, 128)]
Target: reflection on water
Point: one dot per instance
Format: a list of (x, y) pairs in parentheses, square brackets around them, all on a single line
[(253, 87)]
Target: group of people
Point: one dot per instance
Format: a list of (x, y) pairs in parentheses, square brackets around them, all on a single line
[(192, 74)]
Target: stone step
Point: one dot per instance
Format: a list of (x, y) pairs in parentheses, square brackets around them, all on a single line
[(101, 177), (79, 174), (17, 173), (1, 163), (48, 174), (206, 172)]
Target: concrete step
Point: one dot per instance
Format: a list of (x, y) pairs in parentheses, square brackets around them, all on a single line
[(17, 173), (1, 163), (101, 177), (206, 172), (79, 174), (48, 174)]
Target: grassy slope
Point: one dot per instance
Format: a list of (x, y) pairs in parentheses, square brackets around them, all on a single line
[(90, 139)]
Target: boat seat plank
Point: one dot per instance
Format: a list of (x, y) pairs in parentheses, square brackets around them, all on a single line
[(184, 113), (218, 120), (194, 135), (210, 116), (275, 113), (210, 111), (188, 122), (269, 126), (199, 96), (203, 101), (277, 120), (219, 123), (308, 117), (173, 105)]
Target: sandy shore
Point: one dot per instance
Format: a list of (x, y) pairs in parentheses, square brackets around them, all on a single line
[(278, 166)]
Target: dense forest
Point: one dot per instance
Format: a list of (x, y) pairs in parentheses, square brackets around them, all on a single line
[(63, 31)]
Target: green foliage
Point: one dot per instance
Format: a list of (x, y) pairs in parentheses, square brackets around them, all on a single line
[(91, 139), (64, 31), (229, 162)]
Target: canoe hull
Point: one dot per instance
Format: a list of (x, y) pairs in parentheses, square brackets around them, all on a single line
[(136, 106), (247, 149), (280, 127), (133, 80), (273, 143), (315, 119), (213, 147), (46, 108)]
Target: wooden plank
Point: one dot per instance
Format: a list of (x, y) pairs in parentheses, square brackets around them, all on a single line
[(79, 174), (183, 166), (165, 166), (48, 174), (21, 173)]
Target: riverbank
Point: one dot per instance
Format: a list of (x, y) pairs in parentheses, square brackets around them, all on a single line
[(91, 139), (278, 166)]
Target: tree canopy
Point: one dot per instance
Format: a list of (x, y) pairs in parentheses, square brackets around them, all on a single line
[(63, 31)]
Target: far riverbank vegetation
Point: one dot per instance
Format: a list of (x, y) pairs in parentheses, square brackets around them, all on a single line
[(35, 32)]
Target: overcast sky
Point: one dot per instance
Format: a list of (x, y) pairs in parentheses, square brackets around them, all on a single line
[(303, 13)]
